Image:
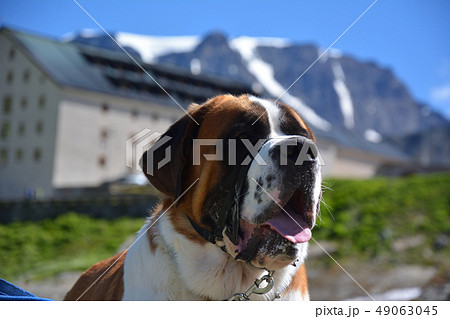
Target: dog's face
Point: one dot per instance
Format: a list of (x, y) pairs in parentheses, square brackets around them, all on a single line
[(256, 175)]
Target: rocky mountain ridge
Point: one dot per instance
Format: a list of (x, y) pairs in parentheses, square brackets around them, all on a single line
[(332, 91)]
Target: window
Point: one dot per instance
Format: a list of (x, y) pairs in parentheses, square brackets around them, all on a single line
[(21, 129), (37, 155), (41, 102), (123, 85), (24, 103), (12, 53), (3, 157), (5, 130), (7, 105), (26, 75), (19, 155), (103, 134), (10, 77), (39, 127), (101, 161)]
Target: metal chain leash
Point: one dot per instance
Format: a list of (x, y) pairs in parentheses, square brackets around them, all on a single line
[(256, 289)]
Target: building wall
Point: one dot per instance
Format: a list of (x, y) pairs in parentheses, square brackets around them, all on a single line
[(28, 112), (92, 132), (328, 153), (352, 163)]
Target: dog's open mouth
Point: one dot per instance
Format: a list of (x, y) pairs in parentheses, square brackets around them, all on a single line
[(290, 225), (293, 222)]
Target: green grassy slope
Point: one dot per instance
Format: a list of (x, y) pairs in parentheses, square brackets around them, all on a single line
[(369, 217), (69, 242)]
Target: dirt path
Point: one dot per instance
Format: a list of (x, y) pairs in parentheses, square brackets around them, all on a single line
[(401, 283), (52, 288)]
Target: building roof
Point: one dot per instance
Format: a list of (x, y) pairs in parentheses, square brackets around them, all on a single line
[(113, 72)]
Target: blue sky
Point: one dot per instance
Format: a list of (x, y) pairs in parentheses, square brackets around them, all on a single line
[(412, 37)]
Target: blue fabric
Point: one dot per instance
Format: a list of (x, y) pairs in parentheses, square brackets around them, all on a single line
[(9, 292)]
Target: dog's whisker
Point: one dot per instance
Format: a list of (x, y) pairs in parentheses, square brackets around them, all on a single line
[(328, 207), (326, 186), (241, 195), (318, 216)]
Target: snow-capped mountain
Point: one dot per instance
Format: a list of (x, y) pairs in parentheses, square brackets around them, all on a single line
[(337, 91), (148, 48)]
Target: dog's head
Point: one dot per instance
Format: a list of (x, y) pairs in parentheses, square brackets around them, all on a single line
[(255, 173)]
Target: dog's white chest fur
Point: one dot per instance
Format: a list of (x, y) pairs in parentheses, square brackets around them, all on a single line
[(180, 269)]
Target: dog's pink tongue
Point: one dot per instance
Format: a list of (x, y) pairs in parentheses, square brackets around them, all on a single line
[(295, 230)]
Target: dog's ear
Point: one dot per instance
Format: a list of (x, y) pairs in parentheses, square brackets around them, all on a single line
[(165, 162)]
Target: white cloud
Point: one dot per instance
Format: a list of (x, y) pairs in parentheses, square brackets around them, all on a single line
[(441, 93)]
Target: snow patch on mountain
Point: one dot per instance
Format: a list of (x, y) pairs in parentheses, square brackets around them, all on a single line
[(270, 42), (330, 53), (151, 47), (264, 73), (195, 66), (343, 93), (373, 136), (85, 33)]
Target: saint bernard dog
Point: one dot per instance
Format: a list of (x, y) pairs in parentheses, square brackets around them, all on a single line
[(221, 222)]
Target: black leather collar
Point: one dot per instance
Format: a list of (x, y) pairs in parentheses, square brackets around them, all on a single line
[(206, 234)]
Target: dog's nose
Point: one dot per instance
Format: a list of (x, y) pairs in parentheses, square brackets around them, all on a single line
[(294, 151)]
